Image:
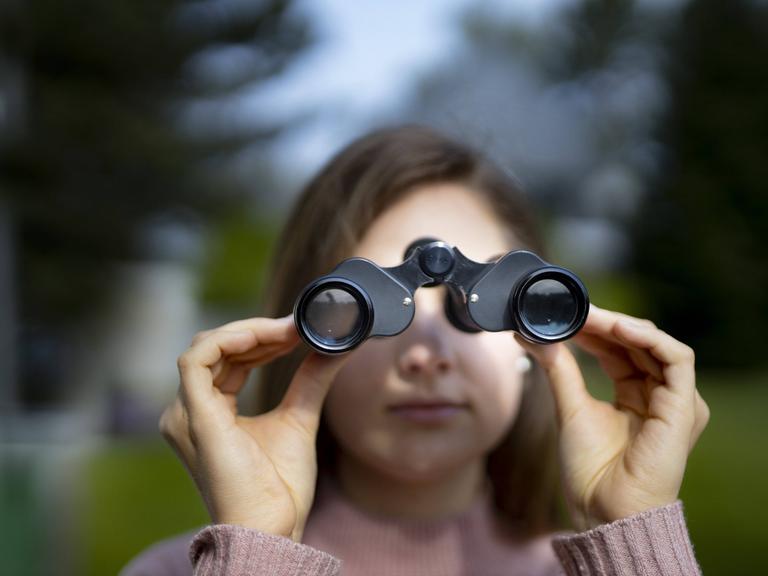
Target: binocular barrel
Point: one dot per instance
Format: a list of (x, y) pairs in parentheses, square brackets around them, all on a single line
[(520, 292)]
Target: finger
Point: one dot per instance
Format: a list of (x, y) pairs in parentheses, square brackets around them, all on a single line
[(246, 361), (236, 378), (613, 358), (602, 323), (268, 330), (628, 380), (195, 364), (565, 378), (264, 351), (701, 420), (309, 387), (257, 356), (645, 321), (674, 401), (607, 323), (646, 363), (232, 382), (677, 359), (271, 335), (201, 336), (619, 361), (174, 427)]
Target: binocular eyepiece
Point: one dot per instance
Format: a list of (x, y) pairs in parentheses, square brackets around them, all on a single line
[(519, 291)]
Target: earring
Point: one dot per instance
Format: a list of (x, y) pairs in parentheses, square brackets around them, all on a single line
[(523, 364)]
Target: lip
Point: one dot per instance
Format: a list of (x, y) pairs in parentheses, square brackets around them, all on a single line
[(431, 411)]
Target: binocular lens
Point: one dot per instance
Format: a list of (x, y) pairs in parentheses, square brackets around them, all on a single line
[(333, 315), (548, 307)]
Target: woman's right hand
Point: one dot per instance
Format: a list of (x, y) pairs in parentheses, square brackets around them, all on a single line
[(258, 471)]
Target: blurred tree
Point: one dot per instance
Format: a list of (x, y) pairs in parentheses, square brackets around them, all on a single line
[(113, 112), (647, 120), (569, 103), (700, 238)]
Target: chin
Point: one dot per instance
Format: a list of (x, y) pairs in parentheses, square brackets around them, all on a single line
[(419, 470)]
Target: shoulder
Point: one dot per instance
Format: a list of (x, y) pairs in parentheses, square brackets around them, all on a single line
[(169, 557)]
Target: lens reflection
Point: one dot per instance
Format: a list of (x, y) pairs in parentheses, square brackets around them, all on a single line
[(548, 307), (333, 315)]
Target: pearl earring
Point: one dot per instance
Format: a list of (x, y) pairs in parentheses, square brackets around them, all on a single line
[(523, 363)]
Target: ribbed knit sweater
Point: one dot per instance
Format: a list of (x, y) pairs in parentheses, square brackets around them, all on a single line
[(341, 540)]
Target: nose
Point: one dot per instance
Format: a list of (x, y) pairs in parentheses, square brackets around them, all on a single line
[(420, 360), (427, 352)]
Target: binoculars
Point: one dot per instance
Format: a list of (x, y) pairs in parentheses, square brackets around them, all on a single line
[(358, 300)]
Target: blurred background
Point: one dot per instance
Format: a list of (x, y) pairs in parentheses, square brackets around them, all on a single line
[(149, 151)]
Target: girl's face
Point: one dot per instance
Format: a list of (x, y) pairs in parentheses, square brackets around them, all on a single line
[(431, 361)]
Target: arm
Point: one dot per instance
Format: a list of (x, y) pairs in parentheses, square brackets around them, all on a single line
[(231, 550), (256, 474), (654, 542), (623, 461)]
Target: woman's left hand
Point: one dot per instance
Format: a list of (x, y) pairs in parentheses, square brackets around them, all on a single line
[(623, 458)]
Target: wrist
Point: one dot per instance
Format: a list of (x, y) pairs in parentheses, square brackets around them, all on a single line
[(262, 525), (605, 515)]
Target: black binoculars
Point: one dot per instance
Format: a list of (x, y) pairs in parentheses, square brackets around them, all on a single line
[(519, 291)]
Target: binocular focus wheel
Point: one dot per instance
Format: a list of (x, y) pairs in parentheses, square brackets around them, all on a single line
[(334, 315)]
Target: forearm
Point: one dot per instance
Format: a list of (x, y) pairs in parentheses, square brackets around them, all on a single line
[(655, 542), (229, 550)]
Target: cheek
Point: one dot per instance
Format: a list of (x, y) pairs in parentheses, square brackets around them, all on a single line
[(355, 408), (497, 383), (355, 403)]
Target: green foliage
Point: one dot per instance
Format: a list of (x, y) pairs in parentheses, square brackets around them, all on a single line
[(701, 247), (22, 516), (133, 494), (237, 263), (723, 492), (124, 118), (99, 144), (616, 292)]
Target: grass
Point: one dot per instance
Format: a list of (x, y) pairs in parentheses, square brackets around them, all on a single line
[(725, 487), (22, 516), (726, 480), (136, 493)]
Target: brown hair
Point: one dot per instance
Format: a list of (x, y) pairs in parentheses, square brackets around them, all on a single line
[(330, 218)]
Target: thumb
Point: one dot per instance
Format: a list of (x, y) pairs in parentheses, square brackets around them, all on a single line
[(565, 378), (309, 387)]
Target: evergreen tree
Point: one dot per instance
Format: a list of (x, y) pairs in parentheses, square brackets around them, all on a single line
[(120, 109), (700, 241)]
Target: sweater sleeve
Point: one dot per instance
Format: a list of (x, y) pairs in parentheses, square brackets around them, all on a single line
[(229, 550), (652, 543)]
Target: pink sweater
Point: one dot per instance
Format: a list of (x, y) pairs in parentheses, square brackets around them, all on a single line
[(341, 540)]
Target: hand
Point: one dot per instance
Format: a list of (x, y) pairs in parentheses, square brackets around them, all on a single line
[(623, 458), (257, 471)]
